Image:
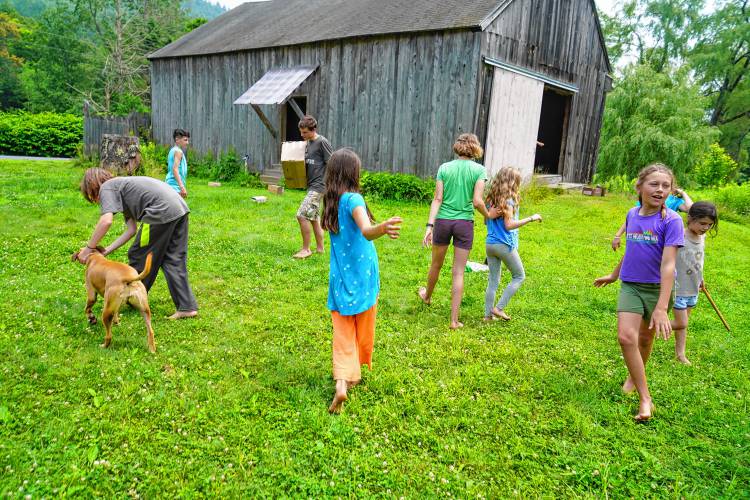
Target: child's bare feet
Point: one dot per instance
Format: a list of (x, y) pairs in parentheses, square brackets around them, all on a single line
[(320, 250), (682, 359), (183, 315), (339, 397), (302, 254), (491, 318), (628, 387), (422, 292), (499, 313), (645, 411), (455, 325)]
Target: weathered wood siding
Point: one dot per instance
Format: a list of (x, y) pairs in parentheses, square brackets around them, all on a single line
[(399, 101), (516, 99), (557, 38), (94, 128)]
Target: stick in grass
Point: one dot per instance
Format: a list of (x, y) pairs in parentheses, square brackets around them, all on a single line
[(713, 304)]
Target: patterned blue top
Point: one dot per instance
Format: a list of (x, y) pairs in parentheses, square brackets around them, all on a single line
[(354, 276), (496, 232), (182, 169)]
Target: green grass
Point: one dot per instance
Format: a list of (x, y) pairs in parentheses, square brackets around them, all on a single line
[(234, 402)]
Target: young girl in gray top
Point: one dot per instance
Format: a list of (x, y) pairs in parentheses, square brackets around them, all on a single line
[(702, 217)]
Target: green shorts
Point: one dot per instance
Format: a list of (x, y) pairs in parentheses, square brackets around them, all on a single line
[(640, 298)]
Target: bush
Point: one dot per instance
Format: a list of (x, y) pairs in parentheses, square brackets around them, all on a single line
[(43, 134), (616, 184), (534, 192), (715, 168), (389, 186), (153, 159), (735, 198)]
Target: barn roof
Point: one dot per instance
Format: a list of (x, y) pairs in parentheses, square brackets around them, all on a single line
[(277, 23)]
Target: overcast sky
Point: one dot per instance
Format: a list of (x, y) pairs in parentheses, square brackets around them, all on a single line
[(607, 6)]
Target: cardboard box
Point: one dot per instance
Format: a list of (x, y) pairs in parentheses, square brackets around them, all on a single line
[(275, 189), (293, 164)]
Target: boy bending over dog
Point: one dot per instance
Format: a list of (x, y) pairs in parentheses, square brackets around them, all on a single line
[(163, 216)]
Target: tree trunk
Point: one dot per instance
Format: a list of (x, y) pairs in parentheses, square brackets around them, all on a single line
[(120, 154)]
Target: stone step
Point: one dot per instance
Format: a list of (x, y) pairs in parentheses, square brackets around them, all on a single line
[(547, 179)]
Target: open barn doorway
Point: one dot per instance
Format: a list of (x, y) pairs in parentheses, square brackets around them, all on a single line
[(552, 134), (289, 115)]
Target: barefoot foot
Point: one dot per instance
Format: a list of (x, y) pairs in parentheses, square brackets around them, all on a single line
[(684, 360), (422, 292), (628, 387), (302, 254), (645, 411), (455, 325), (183, 315), (499, 313), (339, 397), (320, 250)]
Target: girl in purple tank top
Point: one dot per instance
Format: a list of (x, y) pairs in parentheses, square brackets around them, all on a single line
[(647, 272)]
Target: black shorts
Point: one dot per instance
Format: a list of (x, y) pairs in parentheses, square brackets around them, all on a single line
[(461, 231)]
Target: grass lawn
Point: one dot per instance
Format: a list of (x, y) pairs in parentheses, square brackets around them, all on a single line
[(234, 403)]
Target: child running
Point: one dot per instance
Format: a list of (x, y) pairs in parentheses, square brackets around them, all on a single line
[(354, 277), (678, 200), (702, 217), (647, 272), (502, 240)]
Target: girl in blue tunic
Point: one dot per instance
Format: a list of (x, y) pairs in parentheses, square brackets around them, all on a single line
[(354, 277)]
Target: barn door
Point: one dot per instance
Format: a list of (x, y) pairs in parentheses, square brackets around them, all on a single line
[(513, 123)]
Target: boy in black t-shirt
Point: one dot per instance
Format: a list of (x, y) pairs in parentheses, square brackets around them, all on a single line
[(317, 153)]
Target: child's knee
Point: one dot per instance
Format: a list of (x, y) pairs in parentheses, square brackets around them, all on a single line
[(627, 337)]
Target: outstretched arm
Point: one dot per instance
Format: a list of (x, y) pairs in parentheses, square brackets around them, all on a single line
[(105, 222), (515, 224), (391, 227), (130, 230), (611, 278)]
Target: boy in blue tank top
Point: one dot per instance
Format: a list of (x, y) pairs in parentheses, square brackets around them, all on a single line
[(177, 162)]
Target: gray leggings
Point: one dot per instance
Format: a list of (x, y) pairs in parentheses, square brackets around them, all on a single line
[(496, 255)]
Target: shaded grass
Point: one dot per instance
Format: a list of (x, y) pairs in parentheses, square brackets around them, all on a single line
[(234, 402)]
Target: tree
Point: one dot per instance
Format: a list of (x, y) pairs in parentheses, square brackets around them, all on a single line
[(653, 117), (721, 60), (11, 94)]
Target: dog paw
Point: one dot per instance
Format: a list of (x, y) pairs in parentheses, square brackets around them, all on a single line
[(92, 320)]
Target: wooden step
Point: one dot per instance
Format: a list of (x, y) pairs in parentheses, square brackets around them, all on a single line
[(272, 175)]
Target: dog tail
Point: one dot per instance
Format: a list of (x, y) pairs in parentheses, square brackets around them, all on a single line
[(146, 268)]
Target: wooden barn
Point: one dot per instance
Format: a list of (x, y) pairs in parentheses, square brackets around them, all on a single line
[(396, 80)]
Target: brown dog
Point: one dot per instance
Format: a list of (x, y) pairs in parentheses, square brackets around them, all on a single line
[(118, 283)]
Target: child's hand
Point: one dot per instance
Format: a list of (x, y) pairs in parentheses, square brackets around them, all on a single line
[(392, 226), (615, 243), (427, 240), (183, 192), (494, 212), (604, 281), (536, 217), (660, 323)]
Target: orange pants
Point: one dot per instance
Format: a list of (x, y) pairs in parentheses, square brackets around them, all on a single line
[(353, 339)]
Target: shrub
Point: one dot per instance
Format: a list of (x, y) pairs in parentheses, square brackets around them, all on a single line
[(153, 159), (43, 134), (735, 198), (616, 184), (396, 186), (715, 168), (535, 192), (228, 167)]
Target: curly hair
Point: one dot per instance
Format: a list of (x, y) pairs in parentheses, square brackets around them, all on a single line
[(504, 186), (92, 181), (651, 169), (467, 145), (342, 176)]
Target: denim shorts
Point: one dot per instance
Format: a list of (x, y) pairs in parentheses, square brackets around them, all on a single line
[(461, 231), (682, 302)]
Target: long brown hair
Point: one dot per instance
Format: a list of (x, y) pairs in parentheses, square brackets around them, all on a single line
[(342, 176), (92, 181), (651, 169), (504, 186)]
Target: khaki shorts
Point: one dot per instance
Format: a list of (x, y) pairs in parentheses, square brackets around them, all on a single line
[(640, 298), (310, 206)]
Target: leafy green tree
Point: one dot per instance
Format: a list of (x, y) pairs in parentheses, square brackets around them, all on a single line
[(650, 117), (11, 92), (715, 168), (721, 60)]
